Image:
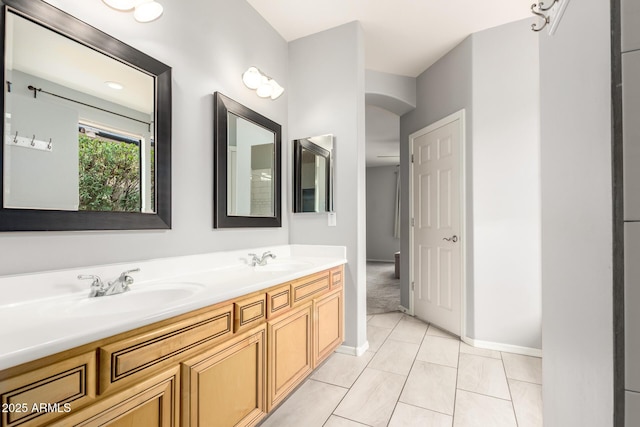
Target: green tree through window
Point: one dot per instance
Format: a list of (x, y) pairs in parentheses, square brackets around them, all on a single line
[(109, 175)]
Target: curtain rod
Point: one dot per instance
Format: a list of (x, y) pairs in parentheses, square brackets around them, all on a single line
[(35, 95)]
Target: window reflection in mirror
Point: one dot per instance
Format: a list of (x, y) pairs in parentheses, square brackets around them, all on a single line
[(79, 132), (250, 169), (313, 174)]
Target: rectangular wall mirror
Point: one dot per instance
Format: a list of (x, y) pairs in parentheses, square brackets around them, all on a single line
[(86, 137), (313, 174), (247, 161)]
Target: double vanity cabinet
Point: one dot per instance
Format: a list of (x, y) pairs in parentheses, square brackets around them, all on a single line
[(228, 364)]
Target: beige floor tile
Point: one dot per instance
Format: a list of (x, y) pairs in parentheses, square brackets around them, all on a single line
[(372, 398), (376, 336), (482, 375), (523, 368), (395, 357), (342, 369), (310, 406), (386, 320), (443, 351), (464, 348), (431, 386), (412, 416), (437, 332), (527, 402), (476, 410), (334, 421), (409, 330)]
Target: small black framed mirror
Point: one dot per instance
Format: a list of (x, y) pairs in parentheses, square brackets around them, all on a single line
[(247, 159), (87, 136), (313, 174)]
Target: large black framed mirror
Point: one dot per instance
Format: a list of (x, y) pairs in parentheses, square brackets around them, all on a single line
[(86, 130), (247, 159), (313, 174)]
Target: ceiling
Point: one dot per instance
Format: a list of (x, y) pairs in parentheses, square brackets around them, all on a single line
[(401, 36)]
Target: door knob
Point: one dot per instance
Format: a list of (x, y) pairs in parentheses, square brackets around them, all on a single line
[(453, 238)]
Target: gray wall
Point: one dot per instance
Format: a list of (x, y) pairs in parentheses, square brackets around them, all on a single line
[(381, 199), (209, 45), (442, 89), (327, 96), (577, 335), (506, 186)]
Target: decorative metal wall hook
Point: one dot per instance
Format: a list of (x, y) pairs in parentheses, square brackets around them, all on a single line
[(542, 8), (15, 138), (50, 144), (544, 17), (547, 14), (33, 141)]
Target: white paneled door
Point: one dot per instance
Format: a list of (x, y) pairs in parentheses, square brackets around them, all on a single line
[(436, 219)]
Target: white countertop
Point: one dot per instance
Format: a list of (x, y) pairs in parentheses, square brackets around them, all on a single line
[(45, 313)]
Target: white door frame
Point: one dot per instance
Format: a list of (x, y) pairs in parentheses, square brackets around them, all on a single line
[(459, 115)]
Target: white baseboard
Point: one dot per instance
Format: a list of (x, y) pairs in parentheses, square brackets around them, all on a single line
[(388, 261), (353, 351), (509, 348)]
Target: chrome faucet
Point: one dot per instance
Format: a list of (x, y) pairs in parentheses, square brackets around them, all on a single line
[(262, 260), (118, 286)]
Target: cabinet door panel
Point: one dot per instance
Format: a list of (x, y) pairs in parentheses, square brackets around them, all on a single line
[(225, 386), (290, 352), (328, 315)]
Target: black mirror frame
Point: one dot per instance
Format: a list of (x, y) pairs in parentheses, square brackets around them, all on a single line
[(56, 220), (222, 106), (299, 145)]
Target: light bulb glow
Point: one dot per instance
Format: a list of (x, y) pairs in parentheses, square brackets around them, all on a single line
[(252, 78), (148, 11), (265, 90), (114, 85)]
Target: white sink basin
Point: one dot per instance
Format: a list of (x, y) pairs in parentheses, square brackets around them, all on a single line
[(282, 266), (150, 297)]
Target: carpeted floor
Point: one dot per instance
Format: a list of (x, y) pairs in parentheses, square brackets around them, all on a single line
[(383, 289)]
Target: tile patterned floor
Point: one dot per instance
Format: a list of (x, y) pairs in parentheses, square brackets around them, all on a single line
[(417, 375)]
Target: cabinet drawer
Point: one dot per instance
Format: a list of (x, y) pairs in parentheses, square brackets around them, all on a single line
[(132, 358), (66, 384), (310, 287), (278, 301), (337, 277), (249, 312)]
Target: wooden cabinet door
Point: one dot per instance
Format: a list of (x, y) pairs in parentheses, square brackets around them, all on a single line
[(290, 352), (328, 322), (151, 403), (225, 386)]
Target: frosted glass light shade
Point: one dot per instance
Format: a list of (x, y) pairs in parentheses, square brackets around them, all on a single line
[(276, 90), (148, 11), (252, 78), (121, 4), (265, 90)]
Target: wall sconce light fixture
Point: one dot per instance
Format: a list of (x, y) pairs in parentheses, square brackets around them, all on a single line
[(265, 86), (144, 10)]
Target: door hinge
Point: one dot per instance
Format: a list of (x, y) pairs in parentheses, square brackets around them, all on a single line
[(413, 286), (413, 222), (412, 158)]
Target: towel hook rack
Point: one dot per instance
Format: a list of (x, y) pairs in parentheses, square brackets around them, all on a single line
[(539, 13)]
